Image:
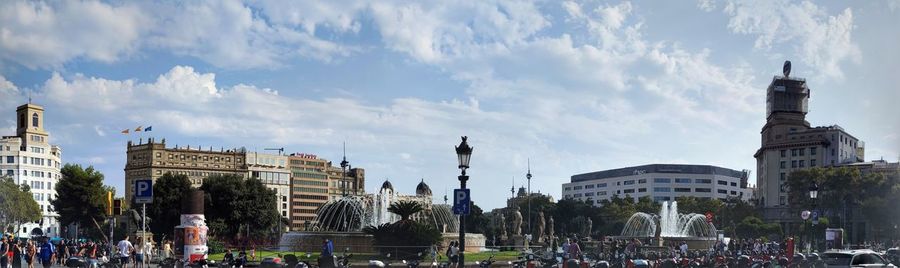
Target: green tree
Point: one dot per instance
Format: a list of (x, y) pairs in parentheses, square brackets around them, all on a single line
[(168, 192), (405, 209), (81, 198), (477, 222), (241, 205), (690, 204), (753, 227), (17, 204)]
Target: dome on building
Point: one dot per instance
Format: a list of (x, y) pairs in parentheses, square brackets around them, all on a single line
[(387, 185), (423, 189)]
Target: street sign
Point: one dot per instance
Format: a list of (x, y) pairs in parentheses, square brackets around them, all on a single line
[(143, 191), (461, 200), (815, 217)]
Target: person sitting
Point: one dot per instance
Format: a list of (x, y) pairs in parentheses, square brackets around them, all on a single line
[(228, 259)]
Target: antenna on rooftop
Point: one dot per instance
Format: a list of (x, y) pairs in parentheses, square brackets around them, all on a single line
[(280, 150), (787, 68)]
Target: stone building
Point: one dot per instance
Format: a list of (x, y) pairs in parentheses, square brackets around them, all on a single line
[(314, 181)]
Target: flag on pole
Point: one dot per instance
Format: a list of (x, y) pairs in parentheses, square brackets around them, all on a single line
[(138, 129), (125, 131), (148, 128)]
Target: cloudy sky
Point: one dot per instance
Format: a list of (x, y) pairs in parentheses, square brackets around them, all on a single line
[(574, 86)]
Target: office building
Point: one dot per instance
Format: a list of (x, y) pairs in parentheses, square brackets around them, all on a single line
[(661, 182), (314, 181), (274, 173), (29, 158)]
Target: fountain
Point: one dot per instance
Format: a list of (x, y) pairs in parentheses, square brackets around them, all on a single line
[(343, 219), (671, 226)]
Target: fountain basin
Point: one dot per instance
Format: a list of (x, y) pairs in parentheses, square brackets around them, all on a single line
[(359, 242)]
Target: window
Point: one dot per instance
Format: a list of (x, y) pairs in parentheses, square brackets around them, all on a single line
[(599, 185), (782, 164), (704, 181), (588, 194), (793, 152), (10, 159), (578, 187), (812, 150), (793, 163), (601, 193), (734, 184), (568, 188), (662, 180), (629, 191), (782, 200), (733, 193), (812, 162), (683, 180), (802, 151), (642, 190), (661, 198), (702, 190), (832, 151), (682, 190), (631, 182), (721, 191), (589, 186), (34, 120), (802, 163), (641, 181), (782, 176), (662, 189), (722, 182), (576, 195), (783, 153)]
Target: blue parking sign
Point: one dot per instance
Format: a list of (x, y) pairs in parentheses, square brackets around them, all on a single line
[(461, 201), (143, 191)]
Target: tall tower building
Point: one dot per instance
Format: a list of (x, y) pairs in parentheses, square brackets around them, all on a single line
[(30, 159), (789, 143)]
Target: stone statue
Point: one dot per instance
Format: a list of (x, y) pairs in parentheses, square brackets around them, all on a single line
[(501, 224), (517, 222), (539, 233), (587, 227), (550, 229)]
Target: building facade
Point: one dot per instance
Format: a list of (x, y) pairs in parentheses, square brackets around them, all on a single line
[(789, 142), (152, 159), (661, 182), (274, 173), (29, 158), (314, 181)]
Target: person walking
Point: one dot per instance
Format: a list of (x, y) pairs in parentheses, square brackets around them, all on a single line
[(48, 253), (30, 251), (4, 247), (139, 253), (17, 255), (125, 248)]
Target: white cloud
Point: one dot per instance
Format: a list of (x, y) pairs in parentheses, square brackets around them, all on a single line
[(38, 34), (822, 41)]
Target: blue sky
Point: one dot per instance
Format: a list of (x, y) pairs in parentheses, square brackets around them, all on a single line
[(574, 86)]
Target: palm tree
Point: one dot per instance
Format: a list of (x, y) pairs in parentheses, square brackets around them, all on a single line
[(405, 209)]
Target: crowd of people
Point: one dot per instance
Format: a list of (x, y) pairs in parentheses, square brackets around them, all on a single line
[(42, 252)]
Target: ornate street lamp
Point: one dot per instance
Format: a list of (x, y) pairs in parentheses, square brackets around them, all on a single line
[(463, 153), (814, 191)]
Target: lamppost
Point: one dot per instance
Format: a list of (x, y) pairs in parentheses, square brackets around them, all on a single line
[(463, 153), (814, 195), (528, 176)]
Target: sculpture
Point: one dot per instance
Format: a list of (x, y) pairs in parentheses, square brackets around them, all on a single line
[(550, 228), (501, 224), (587, 227), (517, 222), (540, 227)]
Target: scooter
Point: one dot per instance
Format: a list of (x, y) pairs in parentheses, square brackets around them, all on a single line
[(484, 263), (381, 263), (414, 263)]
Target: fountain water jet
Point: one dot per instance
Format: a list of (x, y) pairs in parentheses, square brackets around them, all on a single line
[(670, 224)]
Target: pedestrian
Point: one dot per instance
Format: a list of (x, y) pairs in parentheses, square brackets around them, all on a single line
[(30, 251), (48, 253), (253, 251), (4, 247), (17, 255), (575, 250), (454, 254), (166, 250), (125, 248)]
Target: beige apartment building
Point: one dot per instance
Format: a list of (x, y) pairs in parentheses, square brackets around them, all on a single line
[(314, 181), (152, 159), (274, 173)]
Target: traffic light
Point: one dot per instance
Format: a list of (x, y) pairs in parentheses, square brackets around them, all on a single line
[(117, 207), (109, 203)]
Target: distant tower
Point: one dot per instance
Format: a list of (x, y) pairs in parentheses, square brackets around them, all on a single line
[(30, 125)]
